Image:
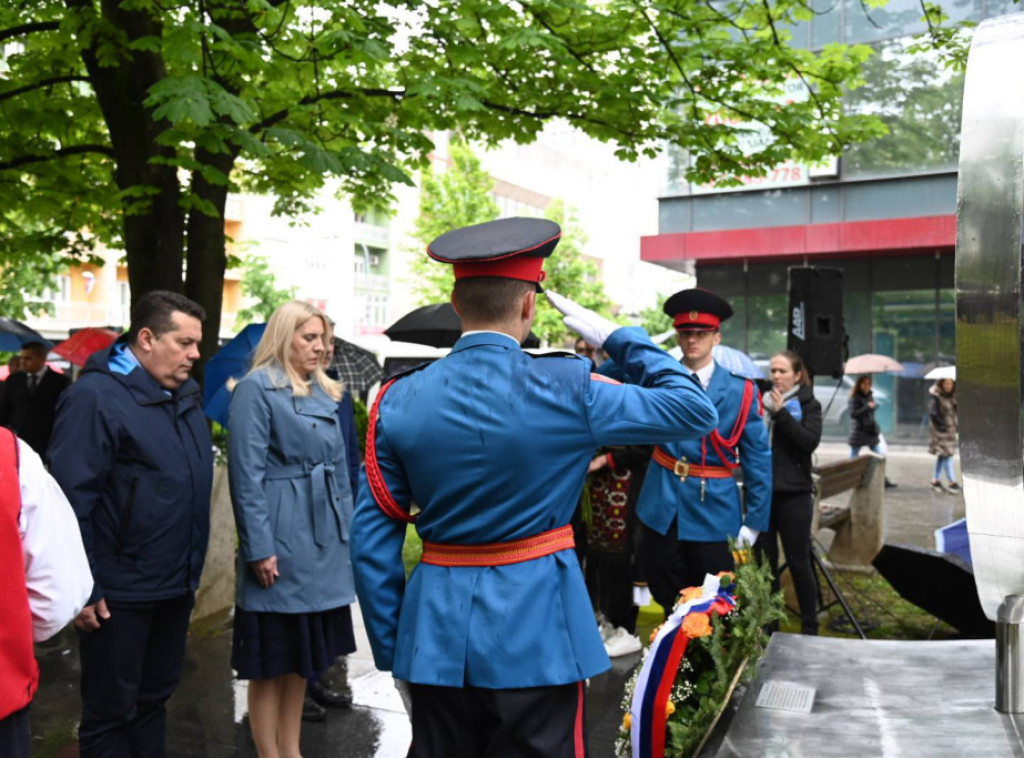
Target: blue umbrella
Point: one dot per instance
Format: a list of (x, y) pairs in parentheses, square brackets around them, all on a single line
[(232, 360), (14, 334), (736, 361)]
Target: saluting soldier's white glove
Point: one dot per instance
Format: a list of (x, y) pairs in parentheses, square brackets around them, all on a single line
[(590, 326), (746, 537)]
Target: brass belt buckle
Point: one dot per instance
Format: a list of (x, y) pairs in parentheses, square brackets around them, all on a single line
[(685, 469)]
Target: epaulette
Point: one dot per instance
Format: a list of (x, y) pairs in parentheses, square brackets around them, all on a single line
[(395, 377), (556, 354)]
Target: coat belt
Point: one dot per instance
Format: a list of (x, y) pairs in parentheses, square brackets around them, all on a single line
[(499, 553), (684, 469), (326, 497)]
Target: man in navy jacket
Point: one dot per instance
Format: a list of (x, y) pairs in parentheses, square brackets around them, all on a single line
[(132, 451)]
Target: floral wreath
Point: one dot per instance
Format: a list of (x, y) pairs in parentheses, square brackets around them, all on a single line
[(651, 704)]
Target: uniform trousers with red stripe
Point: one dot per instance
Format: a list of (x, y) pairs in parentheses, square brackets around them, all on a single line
[(472, 722)]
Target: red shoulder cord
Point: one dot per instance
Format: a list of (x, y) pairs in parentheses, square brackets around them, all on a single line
[(381, 494), (726, 447)]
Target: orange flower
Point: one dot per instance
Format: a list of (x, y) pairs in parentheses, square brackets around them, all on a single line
[(726, 578), (696, 625), (691, 593), (627, 722), (655, 634), (670, 708), (741, 557)]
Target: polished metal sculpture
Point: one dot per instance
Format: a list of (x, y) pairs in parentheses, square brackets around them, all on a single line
[(990, 323)]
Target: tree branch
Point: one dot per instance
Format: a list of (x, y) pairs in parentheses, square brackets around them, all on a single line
[(543, 22), (63, 152), (37, 26), (40, 84), (800, 74), (281, 115)]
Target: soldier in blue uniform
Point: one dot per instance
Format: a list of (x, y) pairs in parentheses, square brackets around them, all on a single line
[(494, 631), (690, 504)]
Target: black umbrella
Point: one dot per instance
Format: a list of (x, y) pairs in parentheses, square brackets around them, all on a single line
[(437, 325), (14, 334), (940, 583)]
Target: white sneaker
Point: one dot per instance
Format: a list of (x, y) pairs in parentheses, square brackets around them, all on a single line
[(621, 642), (605, 627)]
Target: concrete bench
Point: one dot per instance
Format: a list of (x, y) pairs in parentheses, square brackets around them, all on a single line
[(851, 534)]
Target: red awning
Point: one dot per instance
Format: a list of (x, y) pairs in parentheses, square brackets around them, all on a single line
[(907, 235)]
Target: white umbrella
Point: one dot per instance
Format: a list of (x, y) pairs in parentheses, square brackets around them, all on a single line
[(942, 372)]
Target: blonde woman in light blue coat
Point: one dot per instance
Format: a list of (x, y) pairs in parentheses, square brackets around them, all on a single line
[(293, 504)]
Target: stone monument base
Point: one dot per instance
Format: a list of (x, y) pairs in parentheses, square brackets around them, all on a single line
[(873, 698)]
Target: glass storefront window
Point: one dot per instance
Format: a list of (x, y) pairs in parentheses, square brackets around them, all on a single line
[(947, 326), (904, 327), (901, 306), (767, 321), (734, 332)]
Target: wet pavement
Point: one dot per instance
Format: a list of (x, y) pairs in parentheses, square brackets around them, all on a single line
[(207, 716)]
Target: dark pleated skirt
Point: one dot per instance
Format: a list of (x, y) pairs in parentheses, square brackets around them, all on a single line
[(266, 645)]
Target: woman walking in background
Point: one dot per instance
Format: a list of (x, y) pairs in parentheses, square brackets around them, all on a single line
[(942, 430), (794, 427), (293, 505), (864, 429)]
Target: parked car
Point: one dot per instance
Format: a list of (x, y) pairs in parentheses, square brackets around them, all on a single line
[(834, 398)]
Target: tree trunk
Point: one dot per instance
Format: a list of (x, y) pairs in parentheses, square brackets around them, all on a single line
[(207, 258), (153, 218)]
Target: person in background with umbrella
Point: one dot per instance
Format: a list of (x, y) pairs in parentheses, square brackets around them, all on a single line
[(942, 430), (794, 428), (864, 429), (293, 504)]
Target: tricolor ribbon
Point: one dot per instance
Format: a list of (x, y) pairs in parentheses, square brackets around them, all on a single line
[(654, 684)]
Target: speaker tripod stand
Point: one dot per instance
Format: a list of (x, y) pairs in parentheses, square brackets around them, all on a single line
[(840, 598)]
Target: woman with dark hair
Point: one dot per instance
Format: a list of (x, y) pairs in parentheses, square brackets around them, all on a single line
[(793, 416), (864, 429)]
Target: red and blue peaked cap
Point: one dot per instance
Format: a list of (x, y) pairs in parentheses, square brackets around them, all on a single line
[(697, 309), (510, 248)]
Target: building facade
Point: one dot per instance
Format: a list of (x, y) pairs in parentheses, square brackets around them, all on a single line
[(884, 213), (357, 266)]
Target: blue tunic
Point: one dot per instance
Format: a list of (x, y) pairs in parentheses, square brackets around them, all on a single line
[(718, 516), (493, 444)]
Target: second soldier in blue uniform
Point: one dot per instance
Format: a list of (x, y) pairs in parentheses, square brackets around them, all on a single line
[(690, 504)]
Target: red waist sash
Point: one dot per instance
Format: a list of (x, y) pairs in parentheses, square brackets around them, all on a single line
[(499, 553)]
